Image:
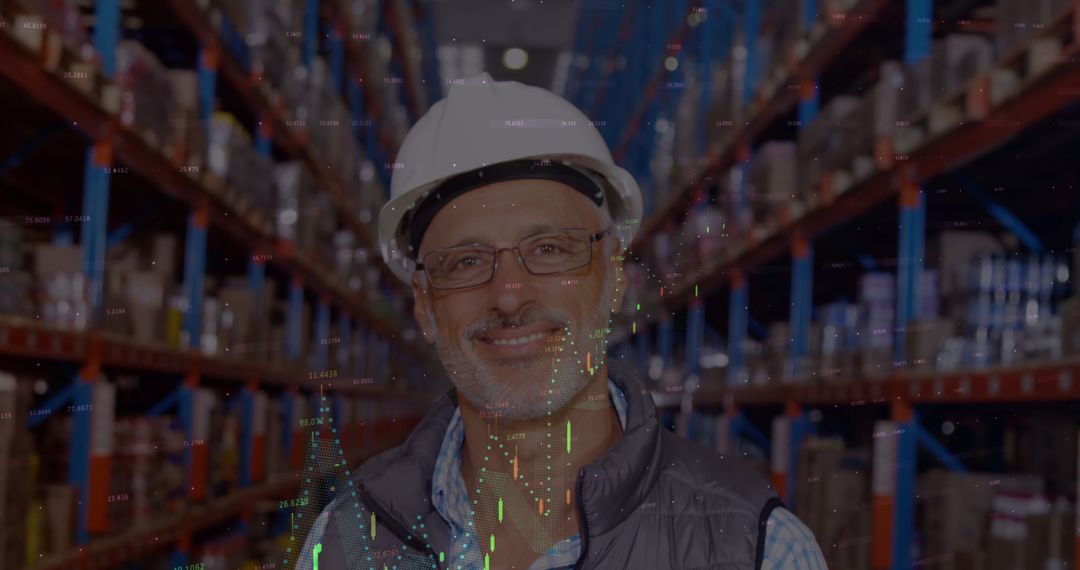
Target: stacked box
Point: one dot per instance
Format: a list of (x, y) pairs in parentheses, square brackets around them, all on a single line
[(839, 341), (708, 223), (1046, 445), (122, 480), (956, 59), (146, 93), (14, 279), (821, 145), (165, 490), (62, 17), (686, 157), (232, 158), (237, 317), (293, 187), (61, 286), (188, 126), (772, 180), (877, 113), (917, 92), (17, 450), (844, 538), (61, 506), (956, 509), (925, 339), (877, 310), (722, 114), (1017, 20), (316, 226)]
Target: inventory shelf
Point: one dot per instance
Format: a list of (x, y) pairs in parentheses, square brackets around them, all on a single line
[(113, 550), (25, 339), (294, 142), (225, 210), (1035, 382), (835, 40), (1036, 99), (150, 537)]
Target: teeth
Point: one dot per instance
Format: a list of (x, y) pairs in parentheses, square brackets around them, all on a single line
[(518, 340)]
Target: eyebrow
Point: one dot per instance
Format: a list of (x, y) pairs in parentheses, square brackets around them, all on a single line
[(529, 231)]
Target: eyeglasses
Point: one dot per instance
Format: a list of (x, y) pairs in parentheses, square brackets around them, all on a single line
[(554, 251)]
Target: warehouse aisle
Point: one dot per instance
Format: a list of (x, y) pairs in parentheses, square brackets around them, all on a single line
[(855, 268)]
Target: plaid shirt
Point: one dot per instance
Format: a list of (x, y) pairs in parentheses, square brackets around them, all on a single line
[(789, 545)]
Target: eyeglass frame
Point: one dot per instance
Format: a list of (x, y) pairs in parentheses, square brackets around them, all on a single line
[(593, 238)]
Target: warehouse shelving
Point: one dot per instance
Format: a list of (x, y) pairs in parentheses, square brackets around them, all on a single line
[(25, 339), (1036, 101), (764, 112), (211, 205), (273, 119), (1046, 382), (990, 120)]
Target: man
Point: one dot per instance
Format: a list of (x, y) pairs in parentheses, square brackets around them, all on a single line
[(507, 218)]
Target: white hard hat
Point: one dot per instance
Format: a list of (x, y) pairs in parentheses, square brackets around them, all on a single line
[(483, 123)]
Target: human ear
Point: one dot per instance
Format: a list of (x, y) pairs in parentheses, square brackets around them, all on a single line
[(422, 307)]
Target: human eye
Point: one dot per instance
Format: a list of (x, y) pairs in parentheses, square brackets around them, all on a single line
[(461, 260)]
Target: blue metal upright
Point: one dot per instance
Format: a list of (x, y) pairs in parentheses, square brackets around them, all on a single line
[(802, 278), (809, 13), (918, 29), (904, 513), (264, 137), (751, 26), (738, 321), (322, 335), (79, 454), (207, 79), (194, 272), (95, 222), (909, 263), (666, 339), (356, 106), (809, 102), (106, 34), (257, 281), (247, 428), (336, 45), (695, 332), (294, 319), (344, 342), (311, 33)]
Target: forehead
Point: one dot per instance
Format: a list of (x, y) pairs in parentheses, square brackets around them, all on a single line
[(510, 210)]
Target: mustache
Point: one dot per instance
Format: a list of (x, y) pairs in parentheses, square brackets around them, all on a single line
[(522, 318)]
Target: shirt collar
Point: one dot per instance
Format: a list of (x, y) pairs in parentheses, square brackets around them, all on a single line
[(448, 493)]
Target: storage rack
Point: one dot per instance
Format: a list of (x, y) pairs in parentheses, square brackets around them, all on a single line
[(770, 104), (213, 205)]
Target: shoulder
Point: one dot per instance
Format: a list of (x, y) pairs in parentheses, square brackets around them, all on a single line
[(789, 544), (708, 471)]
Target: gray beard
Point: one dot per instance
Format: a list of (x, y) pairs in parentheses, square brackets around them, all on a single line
[(508, 398)]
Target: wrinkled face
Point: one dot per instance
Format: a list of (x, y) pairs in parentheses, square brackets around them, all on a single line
[(521, 344)]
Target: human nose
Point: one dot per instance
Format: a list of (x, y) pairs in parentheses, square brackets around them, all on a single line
[(510, 285)]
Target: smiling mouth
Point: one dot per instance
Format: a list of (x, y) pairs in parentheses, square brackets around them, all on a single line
[(519, 340)]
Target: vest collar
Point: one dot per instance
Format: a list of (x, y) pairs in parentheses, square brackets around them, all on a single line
[(397, 483)]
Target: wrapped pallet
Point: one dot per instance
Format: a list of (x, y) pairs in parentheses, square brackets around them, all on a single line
[(146, 94), (772, 181)]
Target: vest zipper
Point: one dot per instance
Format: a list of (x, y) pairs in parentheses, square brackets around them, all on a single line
[(583, 522), (392, 524)]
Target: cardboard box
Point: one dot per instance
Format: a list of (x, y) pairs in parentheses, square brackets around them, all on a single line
[(238, 312), (50, 259), (924, 340), (956, 60), (772, 182)]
